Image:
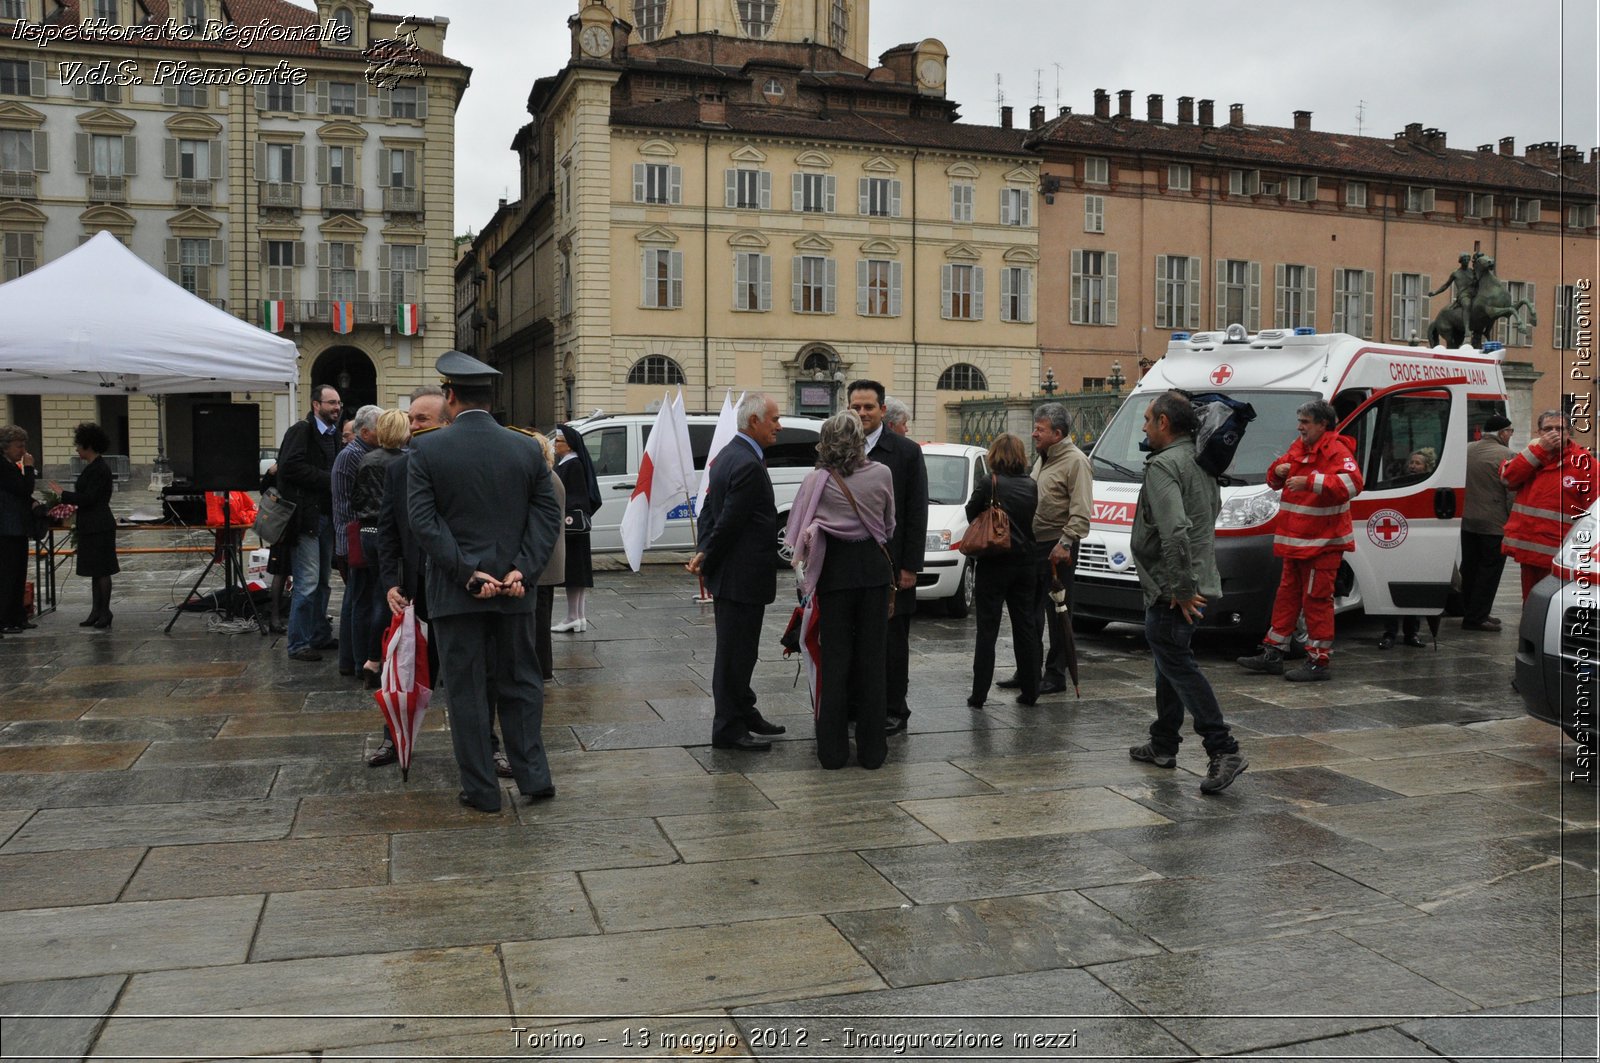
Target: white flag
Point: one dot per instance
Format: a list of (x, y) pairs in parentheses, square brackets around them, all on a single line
[(727, 428), (666, 478)]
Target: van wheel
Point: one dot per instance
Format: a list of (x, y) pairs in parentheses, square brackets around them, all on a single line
[(1088, 625), (784, 555), (959, 604)]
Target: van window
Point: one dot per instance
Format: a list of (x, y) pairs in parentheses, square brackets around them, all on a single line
[(699, 440), (796, 448), (947, 479), (1118, 459), (1400, 427), (608, 449), (1478, 411)]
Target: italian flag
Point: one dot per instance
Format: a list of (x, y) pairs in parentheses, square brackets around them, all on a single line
[(343, 316), (272, 314), (407, 318)]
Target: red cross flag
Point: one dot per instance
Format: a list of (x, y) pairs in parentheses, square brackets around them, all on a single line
[(666, 480), (727, 428)]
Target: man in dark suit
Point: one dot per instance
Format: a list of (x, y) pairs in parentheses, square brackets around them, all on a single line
[(483, 512), (305, 469), (909, 542), (737, 547)]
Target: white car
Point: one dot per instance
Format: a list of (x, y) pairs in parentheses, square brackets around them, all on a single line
[(947, 576), (616, 445), (1558, 649)]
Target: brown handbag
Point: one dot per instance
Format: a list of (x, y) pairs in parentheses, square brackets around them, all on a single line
[(990, 533), (893, 575)]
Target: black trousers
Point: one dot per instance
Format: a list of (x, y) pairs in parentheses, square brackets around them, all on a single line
[(491, 669), (854, 623), (13, 580), (1481, 565), (897, 654), (1007, 581), (543, 607), (1045, 616), (738, 646)]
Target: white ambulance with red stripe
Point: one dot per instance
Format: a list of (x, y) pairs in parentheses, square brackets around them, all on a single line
[(1411, 410)]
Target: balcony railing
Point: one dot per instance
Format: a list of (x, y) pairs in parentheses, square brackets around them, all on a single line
[(108, 189), (280, 194), (193, 192), (341, 197), (402, 200), (16, 185), (367, 311)]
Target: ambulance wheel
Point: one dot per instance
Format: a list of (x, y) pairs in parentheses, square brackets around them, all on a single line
[(959, 604)]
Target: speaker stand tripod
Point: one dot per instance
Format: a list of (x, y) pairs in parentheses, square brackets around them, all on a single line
[(229, 552)]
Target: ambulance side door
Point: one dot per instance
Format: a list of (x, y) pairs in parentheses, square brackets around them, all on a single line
[(1406, 520)]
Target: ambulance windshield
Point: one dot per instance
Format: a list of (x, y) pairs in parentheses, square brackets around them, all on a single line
[(1117, 458)]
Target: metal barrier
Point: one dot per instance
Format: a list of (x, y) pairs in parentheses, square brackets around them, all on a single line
[(981, 420)]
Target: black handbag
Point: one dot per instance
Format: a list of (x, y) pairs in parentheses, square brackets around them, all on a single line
[(577, 522)]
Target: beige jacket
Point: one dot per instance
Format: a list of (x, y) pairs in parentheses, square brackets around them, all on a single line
[(1066, 492), (555, 573)]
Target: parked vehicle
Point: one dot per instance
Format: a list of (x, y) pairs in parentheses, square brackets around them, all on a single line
[(946, 576), (1392, 400), (1558, 640), (616, 444)]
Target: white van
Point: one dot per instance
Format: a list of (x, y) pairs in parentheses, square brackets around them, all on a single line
[(616, 445), (1392, 399)]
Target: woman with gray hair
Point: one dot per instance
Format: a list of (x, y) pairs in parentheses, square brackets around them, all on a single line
[(842, 517), (17, 476)]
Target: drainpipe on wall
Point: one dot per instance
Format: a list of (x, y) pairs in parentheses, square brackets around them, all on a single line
[(705, 274), (916, 375)]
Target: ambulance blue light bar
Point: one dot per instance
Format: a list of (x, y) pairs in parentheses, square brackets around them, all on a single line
[(1305, 330), (1179, 337), (1492, 346)]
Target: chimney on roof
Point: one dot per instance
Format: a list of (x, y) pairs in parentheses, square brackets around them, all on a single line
[(1124, 103), (1433, 139), (1065, 110), (1508, 147), (713, 109), (1206, 117), (1036, 116), (1153, 107), (1486, 149), (1302, 121), (1005, 117), (1571, 160), (1185, 110), (1412, 134), (1543, 153), (1236, 114), (1102, 103), (1594, 156)]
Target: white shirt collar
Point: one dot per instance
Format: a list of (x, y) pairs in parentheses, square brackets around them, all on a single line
[(872, 440)]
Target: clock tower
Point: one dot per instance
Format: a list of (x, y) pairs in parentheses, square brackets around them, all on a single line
[(593, 33)]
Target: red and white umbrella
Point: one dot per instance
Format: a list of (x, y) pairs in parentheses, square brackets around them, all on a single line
[(404, 692)]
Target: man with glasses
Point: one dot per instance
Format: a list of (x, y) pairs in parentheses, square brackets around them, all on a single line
[(305, 469), (1555, 481)]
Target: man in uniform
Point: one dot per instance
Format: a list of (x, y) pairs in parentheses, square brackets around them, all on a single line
[(483, 511), (906, 546)]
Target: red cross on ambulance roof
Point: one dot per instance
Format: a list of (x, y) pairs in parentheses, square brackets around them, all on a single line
[(1222, 374)]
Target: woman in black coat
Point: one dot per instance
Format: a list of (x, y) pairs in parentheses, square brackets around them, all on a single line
[(576, 473), (96, 528), (16, 525), (1007, 579)]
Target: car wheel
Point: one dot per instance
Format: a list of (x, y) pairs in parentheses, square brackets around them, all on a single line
[(1087, 624), (785, 555), (959, 604)]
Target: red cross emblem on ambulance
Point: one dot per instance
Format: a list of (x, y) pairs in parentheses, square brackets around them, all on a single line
[(1222, 374), (1387, 529)]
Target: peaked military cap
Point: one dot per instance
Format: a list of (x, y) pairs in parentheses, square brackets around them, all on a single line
[(465, 371)]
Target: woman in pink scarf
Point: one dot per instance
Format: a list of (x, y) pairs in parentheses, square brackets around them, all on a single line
[(842, 516)]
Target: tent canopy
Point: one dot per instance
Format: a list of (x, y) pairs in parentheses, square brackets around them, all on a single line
[(100, 320)]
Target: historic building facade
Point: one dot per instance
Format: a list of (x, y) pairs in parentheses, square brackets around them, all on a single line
[(729, 196), (293, 165), (1150, 226)]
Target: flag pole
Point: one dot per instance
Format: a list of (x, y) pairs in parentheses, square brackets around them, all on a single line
[(688, 500)]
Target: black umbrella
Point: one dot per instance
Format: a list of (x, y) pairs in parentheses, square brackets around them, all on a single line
[(1060, 598)]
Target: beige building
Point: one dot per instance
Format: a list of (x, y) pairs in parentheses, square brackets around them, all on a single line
[(1152, 226), (280, 161), (737, 199)]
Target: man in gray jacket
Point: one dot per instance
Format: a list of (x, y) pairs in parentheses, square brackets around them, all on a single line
[(1174, 548), (483, 511), (1483, 525)]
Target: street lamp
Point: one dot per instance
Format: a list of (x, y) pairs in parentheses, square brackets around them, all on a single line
[(1049, 386), (1115, 379)]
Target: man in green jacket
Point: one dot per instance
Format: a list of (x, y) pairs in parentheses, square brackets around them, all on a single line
[(1174, 549)]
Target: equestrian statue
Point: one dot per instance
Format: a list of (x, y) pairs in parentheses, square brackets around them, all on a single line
[(1481, 300)]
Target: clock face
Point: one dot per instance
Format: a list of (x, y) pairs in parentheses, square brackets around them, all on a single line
[(595, 40), (930, 72)]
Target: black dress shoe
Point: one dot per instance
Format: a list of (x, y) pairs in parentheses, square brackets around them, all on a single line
[(305, 655), (466, 802), (975, 702), (542, 795), (895, 725), (744, 742), (1027, 702), (386, 754), (764, 726), (1386, 642), (1414, 641), (1009, 684), (104, 621), (327, 644), (1052, 686)]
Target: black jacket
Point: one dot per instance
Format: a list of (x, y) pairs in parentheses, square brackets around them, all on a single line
[(92, 495), (739, 529), (399, 558), (1019, 497), (910, 539), (16, 501), (305, 475)]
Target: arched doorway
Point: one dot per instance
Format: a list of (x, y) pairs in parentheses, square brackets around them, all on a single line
[(350, 371)]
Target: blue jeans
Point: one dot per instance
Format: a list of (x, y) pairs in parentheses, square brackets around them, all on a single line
[(313, 569), (1180, 685)]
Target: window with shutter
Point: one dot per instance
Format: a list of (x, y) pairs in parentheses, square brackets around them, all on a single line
[(1238, 294), (1355, 194), (752, 281), (15, 78), (963, 293), (19, 254), (1177, 292), (1016, 294), (278, 256), (1096, 170), (961, 202), (1565, 325), (1094, 214), (814, 283), (662, 279), (1014, 206), (342, 97), (1094, 288), (877, 284), (1408, 314), (1179, 177), (1296, 305)]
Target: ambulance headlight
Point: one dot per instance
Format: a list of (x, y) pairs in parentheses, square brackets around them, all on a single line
[(1248, 510)]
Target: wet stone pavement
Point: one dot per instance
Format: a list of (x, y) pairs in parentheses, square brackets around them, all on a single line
[(195, 861)]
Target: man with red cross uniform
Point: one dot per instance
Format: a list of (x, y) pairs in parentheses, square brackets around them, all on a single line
[(1318, 478), (1555, 481)]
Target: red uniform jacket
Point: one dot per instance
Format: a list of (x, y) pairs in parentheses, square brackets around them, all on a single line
[(1553, 490), (1316, 519)]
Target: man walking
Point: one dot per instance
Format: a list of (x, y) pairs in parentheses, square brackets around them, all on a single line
[(1173, 545), (738, 542), (1483, 525), (1066, 491), (1318, 477), (1555, 481), (903, 458), (483, 512), (305, 464)]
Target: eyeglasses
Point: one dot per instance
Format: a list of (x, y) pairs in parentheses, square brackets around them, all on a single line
[(329, 402)]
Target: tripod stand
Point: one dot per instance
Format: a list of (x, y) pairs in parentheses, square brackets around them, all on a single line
[(229, 552)]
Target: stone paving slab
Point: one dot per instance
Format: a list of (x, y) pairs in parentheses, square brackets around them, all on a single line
[(833, 828), (22, 708), (58, 879), (259, 702), (96, 756), (174, 824), (123, 938), (1428, 820), (259, 867), (11, 822), (1442, 773), (1557, 1028), (86, 731), (486, 852), (385, 813), (149, 673), (960, 819), (893, 782), (931, 874), (1201, 846), (1570, 803), (1382, 1044), (367, 721), (1178, 797), (1409, 741), (1443, 878), (1071, 769), (67, 1016)]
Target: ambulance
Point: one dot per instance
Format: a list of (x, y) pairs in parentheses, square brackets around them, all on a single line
[(1411, 411)]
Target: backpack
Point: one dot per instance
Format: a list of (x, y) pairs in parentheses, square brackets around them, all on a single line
[(1222, 426)]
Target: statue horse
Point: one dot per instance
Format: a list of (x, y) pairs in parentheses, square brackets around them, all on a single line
[(1492, 302)]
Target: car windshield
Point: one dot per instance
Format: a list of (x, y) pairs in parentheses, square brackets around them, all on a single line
[(1118, 459), (947, 479)]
